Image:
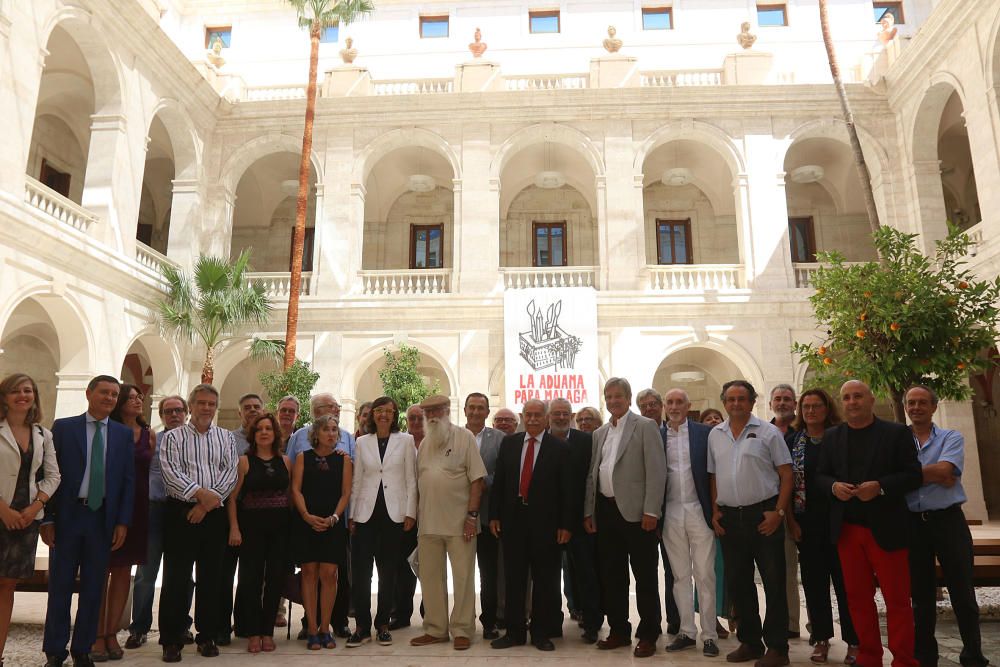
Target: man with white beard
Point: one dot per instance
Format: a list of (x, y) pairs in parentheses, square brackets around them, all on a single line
[(450, 476)]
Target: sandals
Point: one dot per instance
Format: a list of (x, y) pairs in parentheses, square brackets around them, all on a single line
[(852, 654), (253, 645), (114, 653), (99, 655), (820, 651), (314, 643), (266, 644), (328, 641)]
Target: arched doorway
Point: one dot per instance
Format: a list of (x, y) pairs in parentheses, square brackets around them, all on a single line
[(700, 371)]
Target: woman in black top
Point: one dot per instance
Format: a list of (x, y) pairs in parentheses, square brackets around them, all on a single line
[(809, 525), (258, 524), (321, 488)]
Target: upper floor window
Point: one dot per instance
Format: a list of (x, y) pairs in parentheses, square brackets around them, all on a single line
[(330, 34), (673, 241), (772, 14), (54, 179), (657, 18), (882, 8), (426, 246), (223, 32), (802, 237), (543, 21), (433, 26), (549, 244)]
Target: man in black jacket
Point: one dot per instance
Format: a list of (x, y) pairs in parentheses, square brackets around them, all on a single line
[(531, 507), (869, 465)]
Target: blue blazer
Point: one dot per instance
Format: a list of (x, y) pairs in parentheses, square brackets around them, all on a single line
[(69, 435), (698, 440)]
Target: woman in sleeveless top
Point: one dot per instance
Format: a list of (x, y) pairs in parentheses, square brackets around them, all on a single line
[(321, 488), (258, 525), (128, 411), (29, 475)]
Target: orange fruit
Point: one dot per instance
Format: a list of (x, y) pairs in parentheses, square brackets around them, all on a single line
[(822, 349), (860, 333), (827, 361), (895, 326)]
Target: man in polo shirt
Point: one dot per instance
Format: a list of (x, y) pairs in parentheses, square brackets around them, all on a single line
[(750, 477), (938, 529)]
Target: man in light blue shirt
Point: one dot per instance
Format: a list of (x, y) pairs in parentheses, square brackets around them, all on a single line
[(939, 530), (319, 405)]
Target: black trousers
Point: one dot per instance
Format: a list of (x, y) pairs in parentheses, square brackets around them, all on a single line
[(742, 548), (943, 534), (264, 571), (230, 560), (187, 545), (820, 564), (374, 542), (528, 551), (487, 557), (406, 581), (669, 604), (619, 543), (587, 593)]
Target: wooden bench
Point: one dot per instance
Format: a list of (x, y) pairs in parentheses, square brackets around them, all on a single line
[(985, 571), (39, 581), (986, 546)]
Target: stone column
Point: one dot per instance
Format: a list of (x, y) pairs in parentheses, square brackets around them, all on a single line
[(216, 234), (477, 224), (624, 247), (71, 393), (107, 186), (957, 415), (184, 233), (979, 117), (21, 83), (744, 237), (155, 423), (767, 214), (340, 221), (318, 232), (925, 176)]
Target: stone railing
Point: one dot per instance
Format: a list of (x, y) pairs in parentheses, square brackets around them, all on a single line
[(413, 86), (52, 203), (806, 271), (405, 282), (547, 82), (278, 285), (272, 93), (975, 234), (561, 276), (695, 277), (671, 79), (151, 259)]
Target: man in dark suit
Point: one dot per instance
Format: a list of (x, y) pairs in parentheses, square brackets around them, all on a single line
[(869, 466), (87, 518), (531, 506)]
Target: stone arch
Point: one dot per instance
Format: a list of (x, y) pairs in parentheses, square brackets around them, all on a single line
[(727, 348), (77, 348), (183, 138), (928, 116), (547, 132), (836, 129), (164, 359), (384, 144), (273, 142), (697, 131), (352, 372)]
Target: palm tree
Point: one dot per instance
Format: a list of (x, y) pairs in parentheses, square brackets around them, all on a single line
[(315, 15), (852, 130), (212, 305)]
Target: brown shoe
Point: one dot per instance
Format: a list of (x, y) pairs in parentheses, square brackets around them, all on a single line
[(820, 652), (745, 653), (644, 649), (852, 654), (613, 641), (721, 631), (462, 643), (772, 659), (427, 640)]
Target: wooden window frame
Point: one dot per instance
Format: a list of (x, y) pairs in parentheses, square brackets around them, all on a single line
[(891, 4), (44, 173), (650, 11), (414, 230), (766, 6), (535, 226), (686, 224), (308, 249), (209, 29), (810, 239), (544, 14), (435, 18)]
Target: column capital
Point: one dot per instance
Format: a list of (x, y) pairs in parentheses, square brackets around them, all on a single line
[(113, 122)]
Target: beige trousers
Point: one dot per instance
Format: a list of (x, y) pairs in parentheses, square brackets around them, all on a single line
[(433, 554)]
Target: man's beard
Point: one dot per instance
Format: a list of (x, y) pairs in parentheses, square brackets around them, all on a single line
[(437, 431)]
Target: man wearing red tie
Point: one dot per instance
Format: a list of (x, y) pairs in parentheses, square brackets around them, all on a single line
[(531, 509)]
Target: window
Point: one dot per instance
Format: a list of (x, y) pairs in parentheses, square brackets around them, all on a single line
[(802, 239), (883, 8), (330, 34), (673, 241), (54, 179), (308, 243), (543, 22), (433, 26), (223, 32), (549, 244), (426, 244), (657, 18), (772, 15)]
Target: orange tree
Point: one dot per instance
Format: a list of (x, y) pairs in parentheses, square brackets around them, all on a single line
[(911, 319)]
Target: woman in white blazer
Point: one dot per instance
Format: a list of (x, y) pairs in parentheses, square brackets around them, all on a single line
[(383, 506), (29, 475)]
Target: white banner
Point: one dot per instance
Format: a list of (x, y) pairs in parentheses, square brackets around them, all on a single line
[(550, 345)]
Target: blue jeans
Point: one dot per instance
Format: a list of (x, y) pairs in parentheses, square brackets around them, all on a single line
[(144, 586)]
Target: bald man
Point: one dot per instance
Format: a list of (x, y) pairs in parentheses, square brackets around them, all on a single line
[(869, 466)]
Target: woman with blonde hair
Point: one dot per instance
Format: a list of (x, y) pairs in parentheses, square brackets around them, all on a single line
[(29, 475)]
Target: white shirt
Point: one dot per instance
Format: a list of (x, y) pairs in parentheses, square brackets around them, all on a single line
[(680, 480), (479, 438), (85, 484), (609, 455), (524, 452)]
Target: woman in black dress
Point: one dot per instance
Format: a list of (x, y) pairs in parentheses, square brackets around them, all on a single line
[(25, 450), (321, 488), (258, 524)]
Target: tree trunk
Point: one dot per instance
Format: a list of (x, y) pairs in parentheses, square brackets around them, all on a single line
[(208, 368), (298, 238), (898, 413), (852, 130)]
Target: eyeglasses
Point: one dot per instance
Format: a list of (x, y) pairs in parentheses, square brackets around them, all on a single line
[(173, 411), (813, 408)]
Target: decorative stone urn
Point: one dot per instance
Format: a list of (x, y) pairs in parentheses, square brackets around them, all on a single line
[(746, 38), (348, 53), (477, 46), (612, 44), (214, 54)]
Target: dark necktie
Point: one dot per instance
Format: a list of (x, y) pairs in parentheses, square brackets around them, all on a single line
[(95, 487)]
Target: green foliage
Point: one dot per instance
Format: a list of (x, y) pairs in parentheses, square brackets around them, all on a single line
[(319, 14), (401, 381), (297, 380), (911, 319)]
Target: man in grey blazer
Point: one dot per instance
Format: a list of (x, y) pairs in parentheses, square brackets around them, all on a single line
[(624, 500), (477, 408)]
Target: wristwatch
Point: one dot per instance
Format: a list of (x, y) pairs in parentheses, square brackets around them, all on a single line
[(474, 515), (781, 513)]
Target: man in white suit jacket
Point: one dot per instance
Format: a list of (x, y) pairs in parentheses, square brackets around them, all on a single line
[(383, 506)]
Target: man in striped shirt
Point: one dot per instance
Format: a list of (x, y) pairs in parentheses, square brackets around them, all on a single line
[(198, 461)]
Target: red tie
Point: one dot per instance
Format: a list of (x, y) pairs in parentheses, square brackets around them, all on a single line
[(529, 460)]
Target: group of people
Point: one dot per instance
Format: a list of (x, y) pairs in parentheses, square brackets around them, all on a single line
[(547, 500)]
